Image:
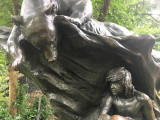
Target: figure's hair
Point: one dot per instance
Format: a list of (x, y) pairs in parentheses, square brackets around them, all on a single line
[(121, 74)]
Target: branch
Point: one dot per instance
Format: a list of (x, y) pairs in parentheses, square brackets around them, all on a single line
[(152, 17), (16, 6), (155, 19), (103, 11), (150, 14)]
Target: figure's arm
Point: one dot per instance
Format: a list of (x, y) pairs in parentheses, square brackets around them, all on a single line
[(107, 106), (147, 108)]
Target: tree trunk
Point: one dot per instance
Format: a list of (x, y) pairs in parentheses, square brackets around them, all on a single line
[(12, 89), (13, 75), (103, 11), (16, 7)]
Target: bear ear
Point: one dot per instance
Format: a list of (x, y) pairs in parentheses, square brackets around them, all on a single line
[(17, 20)]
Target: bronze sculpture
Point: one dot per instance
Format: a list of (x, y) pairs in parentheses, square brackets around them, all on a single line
[(78, 11), (75, 81), (124, 100), (37, 23)]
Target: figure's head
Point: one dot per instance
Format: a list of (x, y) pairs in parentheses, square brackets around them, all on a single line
[(120, 81)]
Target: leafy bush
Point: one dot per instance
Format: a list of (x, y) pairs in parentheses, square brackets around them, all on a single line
[(3, 78), (27, 110), (3, 65)]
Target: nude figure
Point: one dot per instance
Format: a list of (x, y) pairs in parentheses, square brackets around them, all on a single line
[(124, 100)]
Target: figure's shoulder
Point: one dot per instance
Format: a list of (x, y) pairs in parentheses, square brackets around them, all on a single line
[(142, 97), (109, 96), (107, 99)]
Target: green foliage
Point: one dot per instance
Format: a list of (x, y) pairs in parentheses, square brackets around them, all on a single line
[(96, 4), (21, 100), (130, 14), (6, 11), (157, 46), (3, 65), (124, 12), (3, 78), (6, 8), (46, 110), (4, 113), (26, 111), (3, 89)]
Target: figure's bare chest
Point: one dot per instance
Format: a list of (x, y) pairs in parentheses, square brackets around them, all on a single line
[(127, 107)]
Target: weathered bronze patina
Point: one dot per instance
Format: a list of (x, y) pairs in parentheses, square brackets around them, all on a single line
[(68, 55), (124, 100)]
